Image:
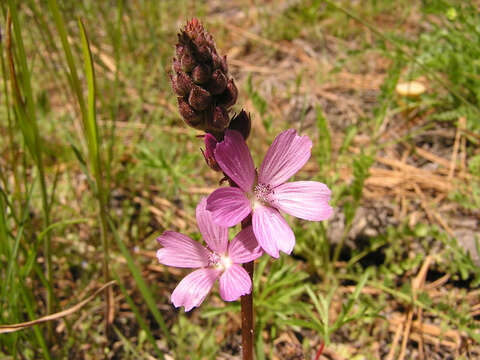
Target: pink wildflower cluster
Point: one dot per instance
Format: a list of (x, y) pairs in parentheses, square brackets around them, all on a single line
[(205, 95), (264, 196), (220, 260)]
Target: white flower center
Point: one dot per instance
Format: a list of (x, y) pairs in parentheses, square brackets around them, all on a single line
[(221, 262), (226, 262)]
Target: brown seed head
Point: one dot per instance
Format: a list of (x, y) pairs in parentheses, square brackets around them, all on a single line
[(201, 79)]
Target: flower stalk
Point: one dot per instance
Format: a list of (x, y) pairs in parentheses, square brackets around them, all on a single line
[(246, 303)]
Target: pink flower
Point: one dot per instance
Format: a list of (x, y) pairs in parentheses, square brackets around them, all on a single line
[(220, 260), (269, 193)]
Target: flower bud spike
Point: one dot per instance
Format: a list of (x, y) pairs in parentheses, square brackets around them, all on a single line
[(200, 78)]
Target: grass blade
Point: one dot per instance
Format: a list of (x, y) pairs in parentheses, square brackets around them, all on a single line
[(74, 80), (26, 115), (38, 335), (13, 255), (91, 132)]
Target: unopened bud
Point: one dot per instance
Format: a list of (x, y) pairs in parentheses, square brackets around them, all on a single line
[(177, 66), (179, 48), (216, 61), (188, 62), (181, 84), (229, 96), (224, 64), (218, 82), (220, 62), (220, 119), (191, 117), (208, 154), (201, 74), (199, 98), (204, 54), (242, 123)]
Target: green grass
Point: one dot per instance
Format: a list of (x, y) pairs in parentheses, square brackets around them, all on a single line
[(95, 163)]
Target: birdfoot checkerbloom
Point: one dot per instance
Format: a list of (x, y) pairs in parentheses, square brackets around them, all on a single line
[(268, 193), (220, 260)]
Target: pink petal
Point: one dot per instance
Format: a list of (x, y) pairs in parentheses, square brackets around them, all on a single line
[(215, 236), (304, 199), (181, 251), (234, 283), (228, 205), (287, 154), (272, 231), (194, 288), (234, 158), (208, 154), (210, 144), (244, 247)]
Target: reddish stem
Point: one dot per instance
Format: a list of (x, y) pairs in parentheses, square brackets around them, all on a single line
[(320, 351), (246, 302)]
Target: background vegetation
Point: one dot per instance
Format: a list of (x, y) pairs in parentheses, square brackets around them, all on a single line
[(95, 163)]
